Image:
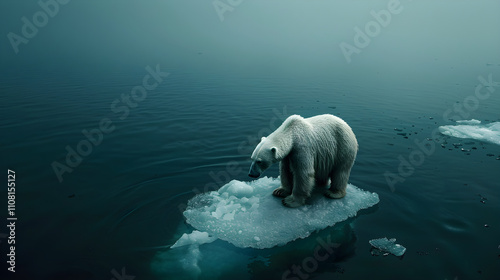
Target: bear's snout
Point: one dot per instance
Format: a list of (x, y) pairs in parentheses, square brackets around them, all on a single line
[(253, 173)]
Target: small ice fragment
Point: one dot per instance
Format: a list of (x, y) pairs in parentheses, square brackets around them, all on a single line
[(229, 216), (470, 122), (388, 245), (237, 188), (256, 238), (196, 237)]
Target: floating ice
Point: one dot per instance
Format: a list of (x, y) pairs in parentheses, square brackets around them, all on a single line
[(473, 129), (247, 215), (471, 122), (196, 237), (388, 245)]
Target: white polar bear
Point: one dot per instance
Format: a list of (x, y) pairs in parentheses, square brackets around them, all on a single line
[(310, 151)]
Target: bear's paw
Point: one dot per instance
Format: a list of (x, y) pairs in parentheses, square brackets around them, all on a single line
[(293, 202), (281, 192), (335, 195)]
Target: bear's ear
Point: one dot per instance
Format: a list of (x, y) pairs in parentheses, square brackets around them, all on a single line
[(262, 139)]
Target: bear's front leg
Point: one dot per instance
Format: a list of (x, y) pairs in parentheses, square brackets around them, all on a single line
[(303, 183), (286, 180), (281, 192)]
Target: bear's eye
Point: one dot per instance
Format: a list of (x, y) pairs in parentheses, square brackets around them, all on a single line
[(259, 162)]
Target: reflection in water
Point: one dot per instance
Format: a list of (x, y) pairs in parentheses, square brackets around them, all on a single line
[(316, 254)]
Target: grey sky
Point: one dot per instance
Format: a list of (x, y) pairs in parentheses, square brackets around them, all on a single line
[(282, 33)]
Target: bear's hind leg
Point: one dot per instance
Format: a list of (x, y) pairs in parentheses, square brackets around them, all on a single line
[(338, 184), (286, 180)]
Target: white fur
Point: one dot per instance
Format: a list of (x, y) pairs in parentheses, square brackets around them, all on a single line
[(311, 152)]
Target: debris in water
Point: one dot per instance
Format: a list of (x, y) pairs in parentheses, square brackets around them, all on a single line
[(388, 246)]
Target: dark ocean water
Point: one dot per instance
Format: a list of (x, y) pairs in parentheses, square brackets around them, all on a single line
[(121, 205), (124, 199)]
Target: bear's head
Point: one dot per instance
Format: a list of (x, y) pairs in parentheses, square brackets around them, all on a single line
[(263, 156)]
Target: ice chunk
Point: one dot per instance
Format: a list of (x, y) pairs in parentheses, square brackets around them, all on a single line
[(471, 122), (473, 129), (237, 188), (388, 245), (247, 215), (196, 237)]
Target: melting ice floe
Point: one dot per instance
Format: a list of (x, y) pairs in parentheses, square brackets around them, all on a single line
[(473, 129), (247, 215), (388, 245)]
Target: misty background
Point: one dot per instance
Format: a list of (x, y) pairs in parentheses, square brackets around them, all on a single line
[(290, 36)]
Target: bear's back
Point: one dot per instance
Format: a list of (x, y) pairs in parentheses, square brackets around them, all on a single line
[(330, 127)]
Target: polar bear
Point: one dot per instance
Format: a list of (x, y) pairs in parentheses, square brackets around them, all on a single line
[(312, 152)]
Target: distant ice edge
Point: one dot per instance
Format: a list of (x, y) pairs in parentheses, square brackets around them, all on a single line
[(247, 215), (473, 129)]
